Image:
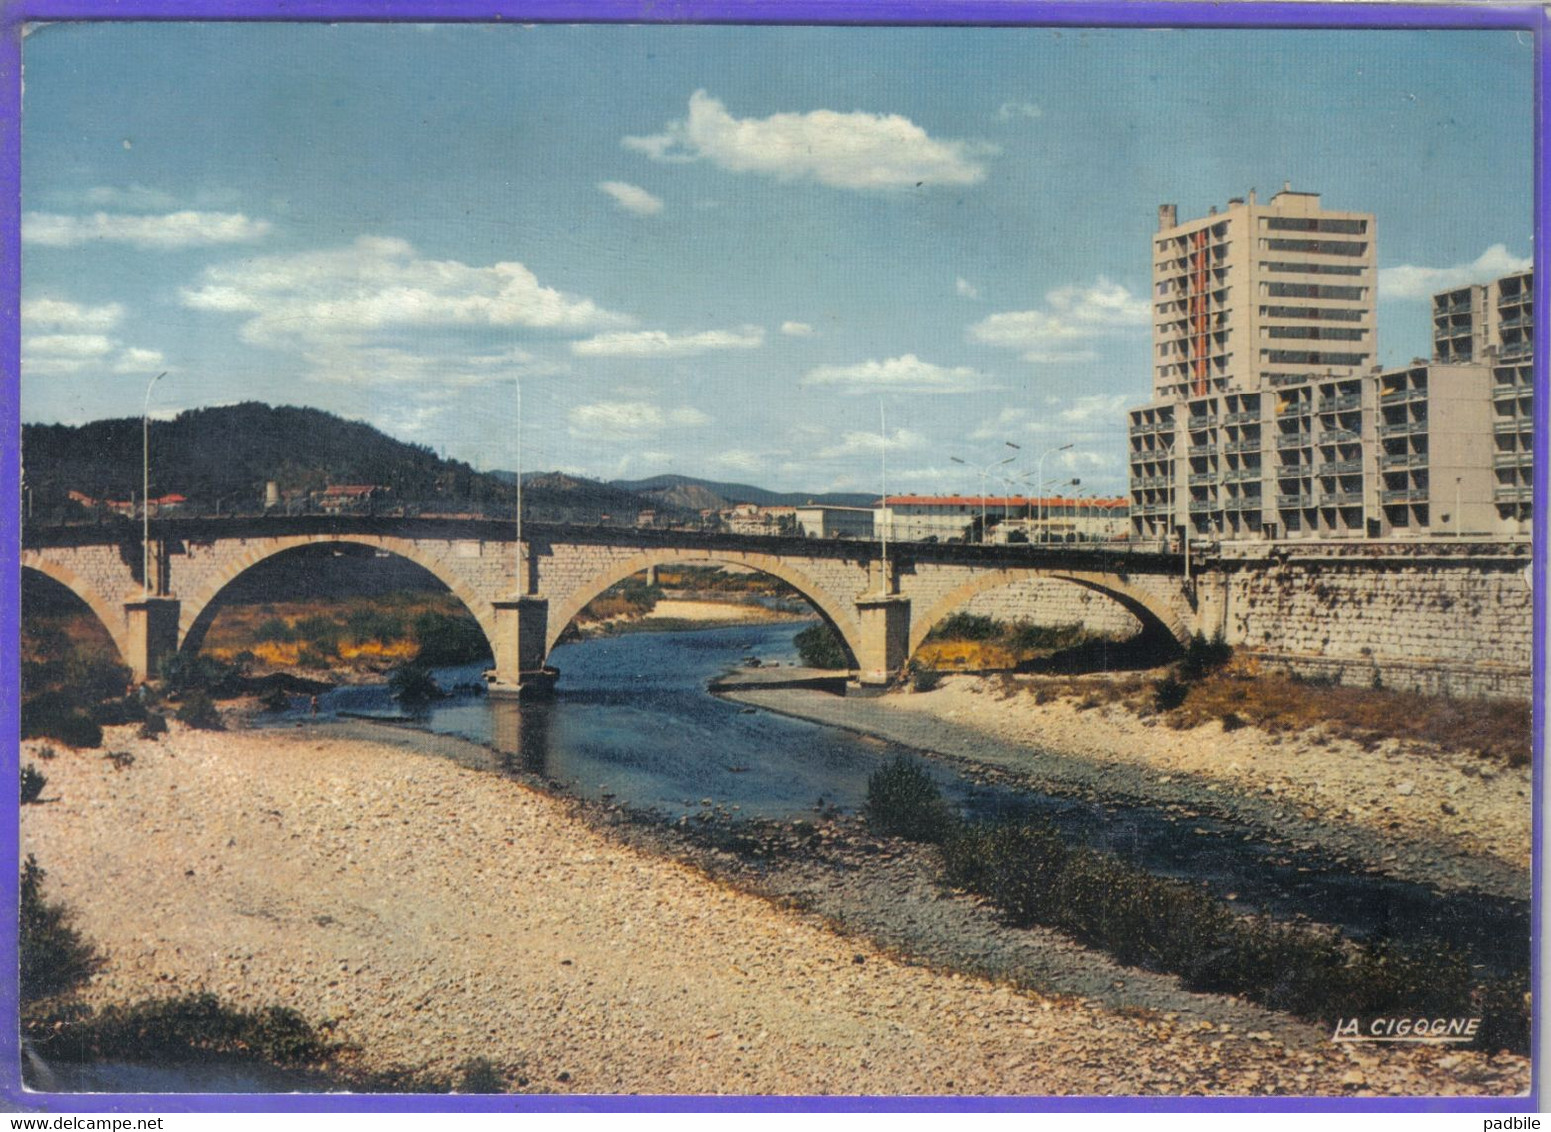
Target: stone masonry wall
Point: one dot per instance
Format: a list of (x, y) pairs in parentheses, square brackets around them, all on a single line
[(1463, 628), (1045, 601)]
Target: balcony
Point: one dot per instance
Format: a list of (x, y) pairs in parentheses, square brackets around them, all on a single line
[(1293, 440), (1203, 506), (1295, 410), (1516, 350), (1518, 320), (1340, 404), (1510, 392), (1197, 479), (1402, 428), (1242, 446), (1402, 396), (1197, 423), (1518, 493), (1241, 417), (1207, 449), (1406, 495), (1404, 460), (1243, 503), (1295, 501), (1341, 468), (1513, 424), (1242, 475), (1513, 460), (1340, 436), (1341, 499)]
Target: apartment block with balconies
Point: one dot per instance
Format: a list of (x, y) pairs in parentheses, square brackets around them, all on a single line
[(1261, 313)]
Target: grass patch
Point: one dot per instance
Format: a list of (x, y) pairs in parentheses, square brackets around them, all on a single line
[(904, 801), (974, 641), (1497, 730), (54, 956)]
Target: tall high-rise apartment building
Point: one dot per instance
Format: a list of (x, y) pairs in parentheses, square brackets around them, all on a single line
[(1263, 327)]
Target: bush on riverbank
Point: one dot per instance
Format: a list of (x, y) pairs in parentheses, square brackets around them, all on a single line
[(818, 647), (33, 781), (54, 956), (904, 801), (1030, 872), (57, 716), (1164, 924)]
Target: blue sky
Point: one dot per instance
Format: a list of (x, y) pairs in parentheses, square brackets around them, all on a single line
[(713, 251)]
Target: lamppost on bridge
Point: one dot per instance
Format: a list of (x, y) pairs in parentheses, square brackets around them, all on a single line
[(145, 486), (985, 474), (1044, 504)]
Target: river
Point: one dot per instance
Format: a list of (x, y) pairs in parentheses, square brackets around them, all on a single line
[(632, 723)]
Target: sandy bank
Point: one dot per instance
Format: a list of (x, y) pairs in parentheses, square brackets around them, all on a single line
[(1441, 818), (441, 913)]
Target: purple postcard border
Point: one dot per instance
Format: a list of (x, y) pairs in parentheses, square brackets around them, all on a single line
[(1047, 13)]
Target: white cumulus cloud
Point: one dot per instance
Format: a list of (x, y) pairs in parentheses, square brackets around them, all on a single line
[(1409, 281), (661, 344), (380, 284), (861, 443), (167, 232), (853, 150), (904, 374), (631, 420), (1063, 329), (632, 198), (965, 288), (797, 329), (61, 314)]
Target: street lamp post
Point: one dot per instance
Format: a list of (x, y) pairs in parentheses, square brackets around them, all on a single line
[(1044, 504), (985, 474), (145, 487)]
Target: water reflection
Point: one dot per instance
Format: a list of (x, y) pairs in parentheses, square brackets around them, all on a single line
[(520, 733)]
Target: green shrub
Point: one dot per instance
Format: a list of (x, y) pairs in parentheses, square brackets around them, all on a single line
[(274, 630), (367, 624), (1169, 694), (1169, 925), (446, 640), (966, 627), (192, 672), (1025, 636), (54, 715), (116, 712), (904, 801), (45, 752), (1016, 866), (1203, 656), (818, 647), (155, 725), (121, 760), (33, 781), (54, 957), (1232, 721), (924, 679), (413, 686), (198, 710), (176, 1028)]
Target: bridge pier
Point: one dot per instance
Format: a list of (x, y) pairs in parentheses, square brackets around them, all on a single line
[(521, 624), (151, 632), (885, 637)]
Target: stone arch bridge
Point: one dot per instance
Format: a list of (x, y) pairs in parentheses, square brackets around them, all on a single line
[(524, 596)]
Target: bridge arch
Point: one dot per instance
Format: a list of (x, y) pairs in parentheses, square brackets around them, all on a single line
[(1155, 613), (199, 609), (832, 611), (109, 615)]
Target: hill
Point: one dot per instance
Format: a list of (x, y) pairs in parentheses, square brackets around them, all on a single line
[(220, 459), (686, 491)]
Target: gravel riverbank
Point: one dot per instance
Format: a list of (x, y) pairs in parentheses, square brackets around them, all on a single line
[(1438, 818), (438, 912)]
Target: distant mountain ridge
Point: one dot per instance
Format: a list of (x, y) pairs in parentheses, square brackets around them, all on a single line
[(698, 494), (221, 459)]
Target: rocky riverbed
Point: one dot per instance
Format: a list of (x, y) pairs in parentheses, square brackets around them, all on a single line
[(435, 912), (1445, 819)]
